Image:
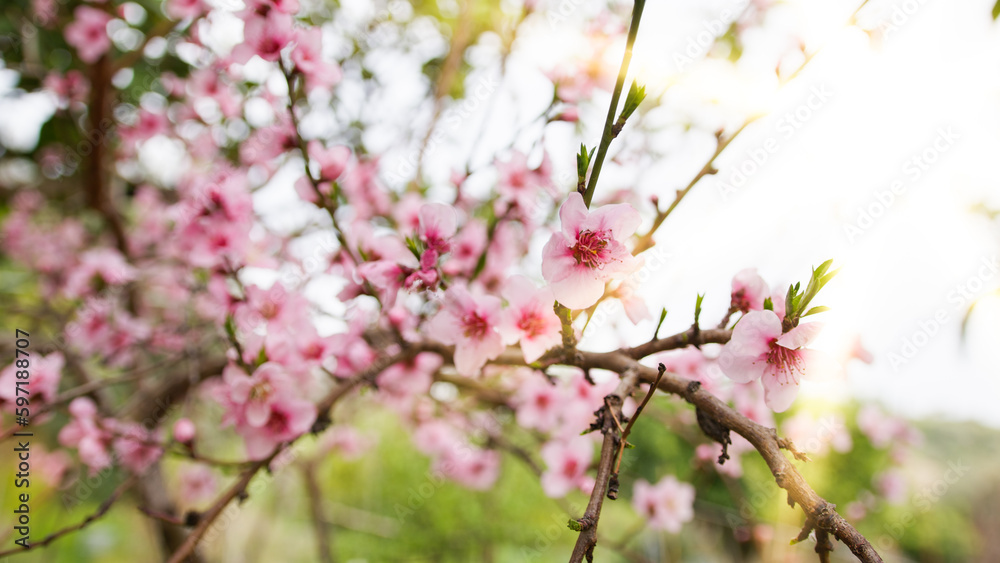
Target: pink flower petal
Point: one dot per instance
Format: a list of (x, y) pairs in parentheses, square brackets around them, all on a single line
[(572, 215), (578, 288), (800, 335), (621, 219), (779, 392)]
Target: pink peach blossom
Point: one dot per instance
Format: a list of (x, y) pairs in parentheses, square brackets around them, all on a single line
[(580, 400), (749, 291), (434, 437), (438, 223), (469, 322), (308, 58), (466, 248), (588, 251), (759, 351), (104, 263), (184, 9), (88, 33), (265, 6), (530, 318), (521, 185), (471, 467), (538, 403), (43, 383), (198, 484), (135, 447), (667, 505), (363, 188), (184, 430), (264, 36), (401, 383), (345, 442), (566, 464), (287, 419), (85, 433), (332, 161)]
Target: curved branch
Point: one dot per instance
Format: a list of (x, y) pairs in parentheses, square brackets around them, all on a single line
[(610, 415), (101, 511), (239, 487), (690, 337), (822, 513)]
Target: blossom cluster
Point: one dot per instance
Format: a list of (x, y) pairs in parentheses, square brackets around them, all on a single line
[(188, 278)]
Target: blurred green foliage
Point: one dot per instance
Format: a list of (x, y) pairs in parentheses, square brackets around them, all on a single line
[(389, 505)]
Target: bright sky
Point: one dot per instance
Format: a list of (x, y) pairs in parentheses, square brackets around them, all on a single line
[(928, 90)]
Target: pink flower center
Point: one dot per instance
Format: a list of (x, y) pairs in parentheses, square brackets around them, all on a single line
[(570, 467), (278, 423), (271, 46), (313, 351), (788, 363), (269, 309), (591, 248), (740, 301), (531, 324), (475, 326), (260, 392), (517, 179)]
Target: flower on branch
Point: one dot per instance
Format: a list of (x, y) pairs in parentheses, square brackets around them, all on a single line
[(588, 251), (759, 351)]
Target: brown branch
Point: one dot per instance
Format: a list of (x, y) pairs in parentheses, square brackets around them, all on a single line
[(645, 241), (321, 525), (87, 388), (460, 39), (764, 439), (638, 411), (690, 337), (101, 511), (208, 517), (96, 182), (613, 408), (239, 487), (152, 406)]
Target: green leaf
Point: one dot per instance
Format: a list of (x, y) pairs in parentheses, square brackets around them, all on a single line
[(574, 525), (663, 315), (815, 310), (415, 245), (790, 299), (636, 94), (230, 328), (996, 10), (697, 307), (583, 162), (819, 271), (768, 304)]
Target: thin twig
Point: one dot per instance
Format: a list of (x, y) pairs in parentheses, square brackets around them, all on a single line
[(101, 511), (587, 539), (608, 134), (765, 441), (320, 523), (638, 411)]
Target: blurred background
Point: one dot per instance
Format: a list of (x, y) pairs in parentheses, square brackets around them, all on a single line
[(879, 154)]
